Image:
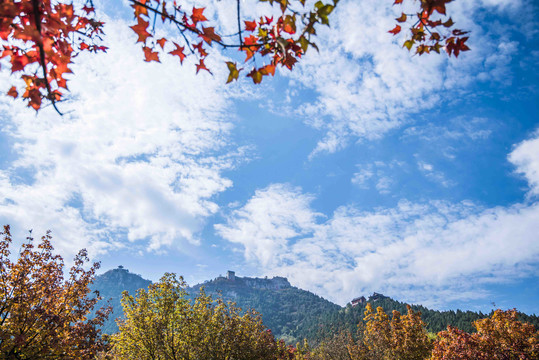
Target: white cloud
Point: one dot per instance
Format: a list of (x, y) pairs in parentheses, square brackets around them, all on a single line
[(432, 252), (362, 177), (526, 157), (367, 85), (268, 220), (140, 152), (436, 176), (379, 174)]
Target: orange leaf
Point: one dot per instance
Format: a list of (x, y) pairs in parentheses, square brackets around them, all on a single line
[(396, 30), (200, 49), (198, 15), (150, 55), (13, 92), (209, 35), (140, 30), (202, 66), (162, 43), (250, 25), (268, 70), (178, 52)]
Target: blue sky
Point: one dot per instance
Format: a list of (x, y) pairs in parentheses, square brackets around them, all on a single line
[(365, 169)]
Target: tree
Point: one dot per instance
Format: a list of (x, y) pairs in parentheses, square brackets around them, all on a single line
[(401, 338), (43, 316), (502, 336), (162, 323), (335, 348), (42, 37)]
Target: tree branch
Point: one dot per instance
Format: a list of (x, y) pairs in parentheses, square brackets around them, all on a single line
[(42, 61)]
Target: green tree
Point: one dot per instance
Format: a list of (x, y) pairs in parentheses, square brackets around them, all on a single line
[(43, 316)]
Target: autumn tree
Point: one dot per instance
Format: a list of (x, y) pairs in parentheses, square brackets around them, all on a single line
[(41, 38), (162, 323), (401, 338), (502, 336), (43, 315), (335, 348)]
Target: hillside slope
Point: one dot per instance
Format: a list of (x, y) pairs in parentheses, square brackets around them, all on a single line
[(110, 285), (286, 310)]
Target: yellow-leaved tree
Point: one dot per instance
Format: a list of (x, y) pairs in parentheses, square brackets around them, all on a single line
[(401, 338), (163, 323)]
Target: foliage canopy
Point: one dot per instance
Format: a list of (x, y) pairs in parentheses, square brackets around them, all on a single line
[(41, 38)]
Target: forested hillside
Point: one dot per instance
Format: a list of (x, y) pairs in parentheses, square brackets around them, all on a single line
[(285, 309), (348, 317), (291, 313), (110, 285)]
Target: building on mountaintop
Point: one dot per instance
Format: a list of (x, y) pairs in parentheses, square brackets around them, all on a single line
[(358, 301), (376, 296)]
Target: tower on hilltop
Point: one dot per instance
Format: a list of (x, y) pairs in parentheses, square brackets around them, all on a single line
[(231, 275)]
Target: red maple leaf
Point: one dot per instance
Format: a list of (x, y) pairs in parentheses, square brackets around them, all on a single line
[(178, 52), (140, 30), (200, 49), (198, 15), (250, 25), (13, 92), (202, 66), (162, 42), (150, 55), (209, 35), (396, 30), (18, 63)]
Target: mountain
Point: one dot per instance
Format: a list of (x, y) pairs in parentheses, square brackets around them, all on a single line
[(110, 286), (291, 313), (287, 310)]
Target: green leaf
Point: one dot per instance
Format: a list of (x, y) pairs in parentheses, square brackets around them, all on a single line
[(408, 44), (234, 72)]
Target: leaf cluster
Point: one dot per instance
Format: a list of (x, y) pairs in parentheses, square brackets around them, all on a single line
[(430, 31), (40, 38)]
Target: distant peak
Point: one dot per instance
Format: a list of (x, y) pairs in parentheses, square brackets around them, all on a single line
[(275, 283)]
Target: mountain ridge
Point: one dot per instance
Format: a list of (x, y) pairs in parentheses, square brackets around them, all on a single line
[(290, 312)]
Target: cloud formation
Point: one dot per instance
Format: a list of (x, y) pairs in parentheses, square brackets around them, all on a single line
[(432, 252), (139, 155), (367, 85)]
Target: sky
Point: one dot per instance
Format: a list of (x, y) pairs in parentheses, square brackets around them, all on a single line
[(364, 169)]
